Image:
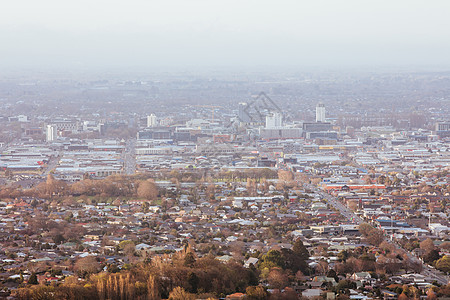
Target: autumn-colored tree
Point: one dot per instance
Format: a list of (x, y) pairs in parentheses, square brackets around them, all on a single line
[(210, 190), (365, 229), (278, 278), (373, 235), (256, 293), (264, 185), (289, 294), (87, 265), (445, 246), (427, 245), (285, 175), (285, 179), (431, 295), (147, 189), (189, 259), (322, 267), (152, 288), (443, 264), (403, 297), (129, 250), (387, 247), (251, 186), (352, 205), (178, 293)]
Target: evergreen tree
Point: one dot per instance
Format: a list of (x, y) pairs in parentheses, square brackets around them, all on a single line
[(193, 281), (189, 259), (33, 279)]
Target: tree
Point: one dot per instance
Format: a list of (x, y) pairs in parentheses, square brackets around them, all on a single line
[(322, 267), (332, 273), (34, 203), (256, 293), (193, 281), (152, 288), (294, 261), (125, 243), (285, 179), (431, 295), (33, 279), (147, 189), (365, 229), (210, 190), (300, 250), (179, 293), (427, 245), (129, 250), (443, 264), (353, 205), (446, 246), (431, 256), (289, 294), (277, 278), (345, 285), (273, 259), (251, 186), (403, 297), (189, 259), (87, 265), (58, 239), (285, 175), (373, 235), (145, 207), (343, 255)]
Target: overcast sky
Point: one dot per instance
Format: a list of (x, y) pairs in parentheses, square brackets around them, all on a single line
[(249, 33)]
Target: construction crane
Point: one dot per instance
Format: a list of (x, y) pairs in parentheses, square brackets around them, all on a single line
[(213, 108)]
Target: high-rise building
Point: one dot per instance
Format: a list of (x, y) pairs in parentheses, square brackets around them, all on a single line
[(244, 114), (152, 121), (274, 120), (51, 132), (320, 112)]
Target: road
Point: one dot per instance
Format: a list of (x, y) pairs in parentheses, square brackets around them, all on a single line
[(347, 213), (129, 157), (436, 275), (52, 163)]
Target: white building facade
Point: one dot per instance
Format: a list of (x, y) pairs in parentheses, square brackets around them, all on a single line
[(320, 112)]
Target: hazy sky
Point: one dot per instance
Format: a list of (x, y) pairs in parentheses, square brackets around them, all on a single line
[(187, 33)]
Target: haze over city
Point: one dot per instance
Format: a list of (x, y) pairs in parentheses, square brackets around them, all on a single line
[(232, 34), (256, 150)]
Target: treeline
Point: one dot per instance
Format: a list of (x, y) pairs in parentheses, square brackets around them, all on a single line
[(182, 273), (111, 186), (227, 176), (137, 186)]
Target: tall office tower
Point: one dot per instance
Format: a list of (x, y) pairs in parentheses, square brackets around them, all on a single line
[(274, 120), (320, 112), (51, 132), (152, 121), (244, 113)]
